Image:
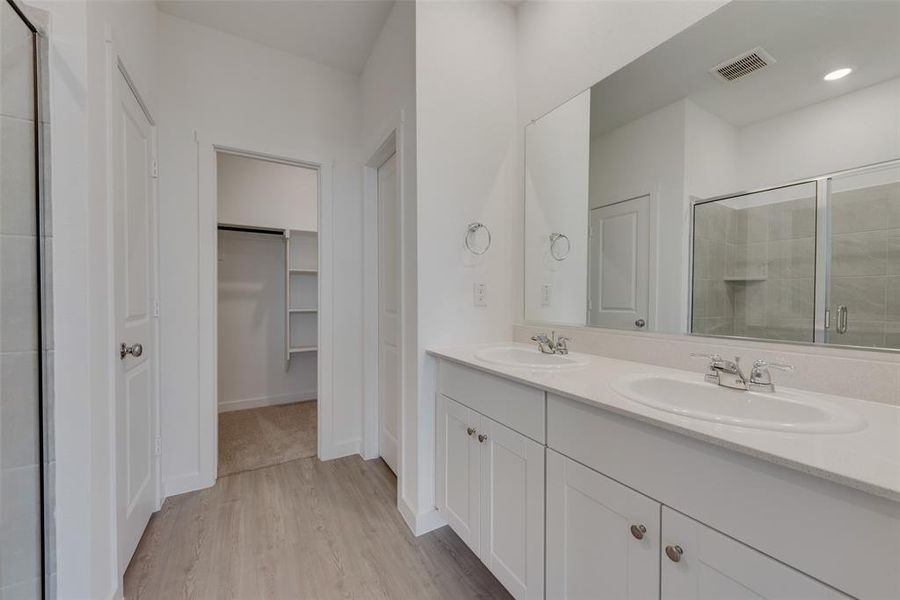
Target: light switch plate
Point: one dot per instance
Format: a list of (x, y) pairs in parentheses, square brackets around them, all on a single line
[(479, 294), (546, 294)]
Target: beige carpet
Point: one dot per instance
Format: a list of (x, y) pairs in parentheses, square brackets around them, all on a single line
[(261, 437)]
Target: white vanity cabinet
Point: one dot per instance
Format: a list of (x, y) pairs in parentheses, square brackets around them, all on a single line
[(634, 511), (699, 563), (602, 537), (491, 491)]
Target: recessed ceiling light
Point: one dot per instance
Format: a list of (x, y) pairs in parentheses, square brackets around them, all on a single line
[(838, 74)]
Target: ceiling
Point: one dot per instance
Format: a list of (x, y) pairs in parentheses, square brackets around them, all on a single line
[(807, 40), (337, 33)]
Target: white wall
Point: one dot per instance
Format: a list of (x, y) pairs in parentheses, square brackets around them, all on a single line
[(388, 84), (239, 94), (556, 201), (647, 156), (251, 318), (467, 141), (849, 131), (262, 193)]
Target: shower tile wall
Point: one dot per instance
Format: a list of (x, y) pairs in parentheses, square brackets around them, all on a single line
[(755, 270), (20, 347), (865, 264)]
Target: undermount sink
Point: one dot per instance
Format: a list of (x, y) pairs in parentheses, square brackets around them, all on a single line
[(530, 358), (779, 411)]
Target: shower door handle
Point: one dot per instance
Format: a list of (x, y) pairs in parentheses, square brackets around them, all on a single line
[(841, 326)]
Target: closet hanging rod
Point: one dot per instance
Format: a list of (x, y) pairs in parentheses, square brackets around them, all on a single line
[(251, 230)]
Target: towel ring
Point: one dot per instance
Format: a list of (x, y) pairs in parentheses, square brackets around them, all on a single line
[(470, 236), (554, 252)]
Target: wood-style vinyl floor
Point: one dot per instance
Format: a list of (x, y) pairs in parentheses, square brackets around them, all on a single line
[(301, 529)]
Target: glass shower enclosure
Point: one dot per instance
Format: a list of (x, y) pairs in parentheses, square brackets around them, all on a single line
[(24, 438), (816, 261)]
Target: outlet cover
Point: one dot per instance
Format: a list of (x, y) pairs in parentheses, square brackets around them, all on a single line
[(479, 293)]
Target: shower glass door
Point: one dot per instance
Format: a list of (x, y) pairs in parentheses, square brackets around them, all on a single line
[(862, 258), (22, 458)]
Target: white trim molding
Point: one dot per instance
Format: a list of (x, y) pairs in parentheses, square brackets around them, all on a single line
[(207, 299), (260, 401)]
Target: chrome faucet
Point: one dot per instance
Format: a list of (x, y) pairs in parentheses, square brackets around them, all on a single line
[(729, 374), (552, 344)]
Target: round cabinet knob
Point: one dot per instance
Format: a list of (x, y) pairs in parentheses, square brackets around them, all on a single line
[(470, 431), (674, 553), (638, 531), (482, 438), (640, 323)]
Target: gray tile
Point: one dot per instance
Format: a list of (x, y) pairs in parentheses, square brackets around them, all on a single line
[(864, 297), (711, 221), (750, 303), (749, 225), (18, 189), (859, 254), (19, 525), (892, 298), (45, 202), (18, 293), (792, 220), (865, 209), (793, 330), (16, 66), (26, 590), (870, 334), (892, 334), (19, 384), (790, 299), (48, 401), (699, 292), (792, 258), (893, 252), (747, 261)]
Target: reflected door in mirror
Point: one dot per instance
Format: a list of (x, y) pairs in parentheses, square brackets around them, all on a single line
[(619, 296)]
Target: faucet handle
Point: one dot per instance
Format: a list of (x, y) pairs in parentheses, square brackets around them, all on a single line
[(765, 364), (713, 358)]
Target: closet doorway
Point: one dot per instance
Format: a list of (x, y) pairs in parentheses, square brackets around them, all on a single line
[(267, 311)]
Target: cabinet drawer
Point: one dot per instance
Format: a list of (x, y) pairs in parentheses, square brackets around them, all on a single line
[(818, 527), (517, 406)]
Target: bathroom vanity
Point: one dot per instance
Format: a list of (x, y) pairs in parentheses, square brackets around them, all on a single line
[(566, 487)]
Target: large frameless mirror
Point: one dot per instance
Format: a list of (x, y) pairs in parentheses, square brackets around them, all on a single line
[(736, 180)]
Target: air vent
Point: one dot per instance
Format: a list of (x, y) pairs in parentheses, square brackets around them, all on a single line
[(743, 64)]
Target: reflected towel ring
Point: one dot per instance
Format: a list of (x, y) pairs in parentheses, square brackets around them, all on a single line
[(554, 252), (470, 236)]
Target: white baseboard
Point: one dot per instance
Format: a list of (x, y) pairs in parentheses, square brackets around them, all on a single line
[(423, 522), (246, 403), (186, 483), (340, 450)]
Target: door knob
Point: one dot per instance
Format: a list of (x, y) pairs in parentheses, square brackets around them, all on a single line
[(470, 431), (674, 553), (640, 323), (482, 437), (135, 350), (638, 531)]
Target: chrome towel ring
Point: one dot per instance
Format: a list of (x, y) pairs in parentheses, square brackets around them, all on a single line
[(554, 249), (471, 234)]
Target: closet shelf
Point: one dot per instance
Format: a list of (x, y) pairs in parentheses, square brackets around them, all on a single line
[(302, 349), (300, 271), (303, 310)]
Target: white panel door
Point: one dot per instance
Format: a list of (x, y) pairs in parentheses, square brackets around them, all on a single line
[(619, 265), (512, 509), (712, 566), (134, 240), (389, 312), (593, 526), (460, 469)]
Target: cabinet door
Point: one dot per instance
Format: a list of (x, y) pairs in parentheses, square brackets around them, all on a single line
[(512, 505), (591, 550), (459, 469), (712, 566)]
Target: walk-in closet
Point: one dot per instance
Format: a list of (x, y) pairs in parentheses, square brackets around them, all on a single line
[(267, 321)]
